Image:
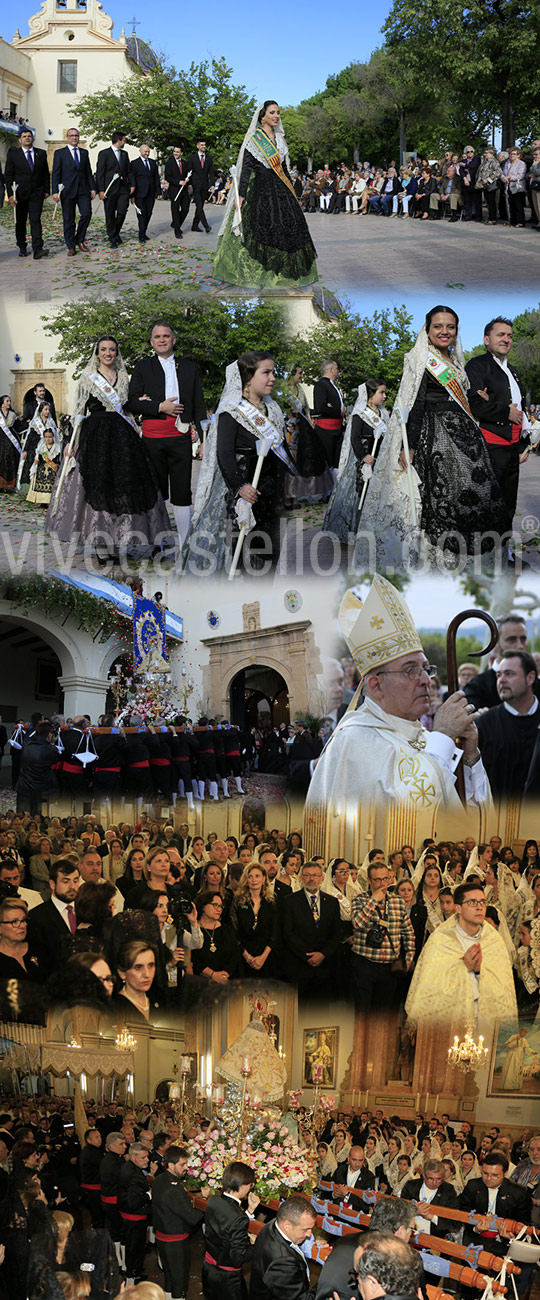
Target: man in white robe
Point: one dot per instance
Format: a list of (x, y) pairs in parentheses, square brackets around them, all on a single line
[(381, 753), (464, 972)]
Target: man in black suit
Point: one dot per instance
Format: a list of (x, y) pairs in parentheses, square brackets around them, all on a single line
[(430, 1195), (228, 1246), (38, 395), (386, 1266), (329, 412), (145, 186), (166, 391), (496, 401), (28, 184), (201, 166), (279, 1270), (390, 1216), (174, 1219), (308, 934), (508, 733), (176, 172), (482, 689), (112, 177), (494, 1195), (350, 1174), (73, 185), (50, 924), (472, 198)]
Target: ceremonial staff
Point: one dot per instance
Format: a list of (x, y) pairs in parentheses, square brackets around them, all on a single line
[(376, 440), (182, 187), (68, 455), (452, 669), (234, 174), (57, 204), (403, 415), (245, 525)]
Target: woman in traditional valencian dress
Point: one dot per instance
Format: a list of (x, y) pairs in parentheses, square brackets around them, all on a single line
[(246, 425), (459, 504), (41, 420), (10, 444), (46, 462), (264, 239), (106, 492), (366, 427)]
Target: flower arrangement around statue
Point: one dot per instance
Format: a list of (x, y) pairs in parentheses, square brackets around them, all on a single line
[(280, 1165)]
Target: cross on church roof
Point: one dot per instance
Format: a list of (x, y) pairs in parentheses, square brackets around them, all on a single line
[(134, 23)]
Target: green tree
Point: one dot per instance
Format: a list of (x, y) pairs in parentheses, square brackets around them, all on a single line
[(165, 106), (365, 347), (525, 354), (525, 351), (434, 647), (213, 335), (486, 51)]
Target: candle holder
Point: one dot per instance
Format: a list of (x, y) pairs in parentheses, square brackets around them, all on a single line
[(177, 1095), (244, 1101)]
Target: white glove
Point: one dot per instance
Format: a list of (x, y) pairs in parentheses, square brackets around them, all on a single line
[(367, 471), (244, 514)]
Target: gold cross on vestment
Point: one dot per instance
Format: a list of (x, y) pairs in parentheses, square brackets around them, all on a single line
[(377, 622)]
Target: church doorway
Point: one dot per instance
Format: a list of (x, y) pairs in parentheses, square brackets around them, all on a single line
[(258, 697)]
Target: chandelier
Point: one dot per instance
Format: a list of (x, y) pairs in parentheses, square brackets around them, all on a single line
[(125, 1042), (467, 1055)]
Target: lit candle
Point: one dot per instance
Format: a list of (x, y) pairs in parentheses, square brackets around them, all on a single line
[(246, 1064)]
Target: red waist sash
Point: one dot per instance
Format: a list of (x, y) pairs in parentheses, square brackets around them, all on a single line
[(495, 438), (226, 1268), (329, 422), (165, 428)]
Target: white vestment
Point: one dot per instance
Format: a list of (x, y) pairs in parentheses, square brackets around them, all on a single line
[(377, 758), (441, 987)]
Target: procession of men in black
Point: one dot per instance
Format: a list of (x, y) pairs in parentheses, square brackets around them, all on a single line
[(126, 1183)]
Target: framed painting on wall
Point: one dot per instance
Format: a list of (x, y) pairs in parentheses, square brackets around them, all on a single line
[(319, 1057), (515, 1060)]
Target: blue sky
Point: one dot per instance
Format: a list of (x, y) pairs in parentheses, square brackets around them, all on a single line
[(474, 309), (433, 601), (284, 51)]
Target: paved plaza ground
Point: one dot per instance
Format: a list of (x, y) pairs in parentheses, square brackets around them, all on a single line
[(356, 255), (306, 549)]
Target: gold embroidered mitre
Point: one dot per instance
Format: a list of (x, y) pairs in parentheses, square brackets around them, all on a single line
[(379, 629)]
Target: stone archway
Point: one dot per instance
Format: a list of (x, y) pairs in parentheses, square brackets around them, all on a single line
[(258, 696), (54, 379), (83, 665), (33, 662), (288, 650)]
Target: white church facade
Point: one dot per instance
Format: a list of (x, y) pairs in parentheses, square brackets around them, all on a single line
[(69, 52)]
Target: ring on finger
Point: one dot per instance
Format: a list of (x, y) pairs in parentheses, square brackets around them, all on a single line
[(469, 708)]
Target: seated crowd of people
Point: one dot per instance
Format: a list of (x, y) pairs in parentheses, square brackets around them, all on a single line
[(113, 1207), (460, 186), (122, 914)]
